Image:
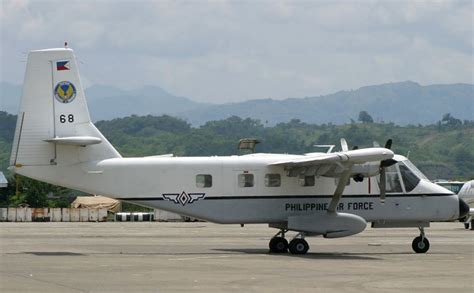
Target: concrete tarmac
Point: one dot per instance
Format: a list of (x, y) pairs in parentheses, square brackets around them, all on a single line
[(205, 257)]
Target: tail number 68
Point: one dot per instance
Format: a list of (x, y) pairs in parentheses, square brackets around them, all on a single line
[(69, 118)]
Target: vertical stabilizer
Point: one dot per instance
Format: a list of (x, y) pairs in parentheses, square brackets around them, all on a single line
[(53, 113)]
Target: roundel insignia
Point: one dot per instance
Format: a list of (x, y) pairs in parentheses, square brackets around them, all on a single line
[(65, 92)]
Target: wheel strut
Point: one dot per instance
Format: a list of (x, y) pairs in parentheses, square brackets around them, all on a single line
[(281, 233), (422, 233), (421, 244)]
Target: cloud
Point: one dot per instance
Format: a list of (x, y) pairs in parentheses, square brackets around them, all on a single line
[(228, 51)]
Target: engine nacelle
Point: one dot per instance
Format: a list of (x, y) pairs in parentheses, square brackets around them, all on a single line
[(366, 170), (330, 225)]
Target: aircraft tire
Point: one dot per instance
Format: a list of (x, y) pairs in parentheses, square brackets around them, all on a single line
[(278, 245), (466, 225), (298, 246), (419, 245)]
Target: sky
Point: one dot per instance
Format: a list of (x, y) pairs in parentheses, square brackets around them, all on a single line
[(230, 51)]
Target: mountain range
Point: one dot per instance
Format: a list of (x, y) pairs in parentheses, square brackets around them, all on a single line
[(401, 103)]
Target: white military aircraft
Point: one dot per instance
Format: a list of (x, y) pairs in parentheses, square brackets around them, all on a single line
[(56, 142), (467, 194)]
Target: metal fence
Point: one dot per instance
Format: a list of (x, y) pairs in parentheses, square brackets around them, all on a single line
[(52, 215)]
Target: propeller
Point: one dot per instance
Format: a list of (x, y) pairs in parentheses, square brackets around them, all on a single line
[(384, 164), (344, 146)]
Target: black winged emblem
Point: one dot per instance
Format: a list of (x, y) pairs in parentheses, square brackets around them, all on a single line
[(183, 198)]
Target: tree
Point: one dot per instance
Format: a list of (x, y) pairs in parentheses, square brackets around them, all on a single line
[(450, 121), (364, 117)]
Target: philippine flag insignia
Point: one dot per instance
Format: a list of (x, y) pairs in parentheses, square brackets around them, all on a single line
[(62, 65)]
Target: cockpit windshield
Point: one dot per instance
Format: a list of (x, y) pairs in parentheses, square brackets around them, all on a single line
[(410, 174), (402, 171), (414, 169)]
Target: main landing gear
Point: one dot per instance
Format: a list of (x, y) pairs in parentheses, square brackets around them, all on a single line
[(421, 244), (278, 244)]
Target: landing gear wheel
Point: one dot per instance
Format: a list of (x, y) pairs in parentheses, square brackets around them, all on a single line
[(420, 244), (466, 225), (298, 246), (278, 245)]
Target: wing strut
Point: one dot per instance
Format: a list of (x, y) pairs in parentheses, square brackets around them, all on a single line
[(339, 190)]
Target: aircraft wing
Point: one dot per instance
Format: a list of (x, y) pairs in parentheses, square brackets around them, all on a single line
[(359, 156)]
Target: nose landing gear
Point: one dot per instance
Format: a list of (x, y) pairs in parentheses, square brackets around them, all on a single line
[(421, 244)]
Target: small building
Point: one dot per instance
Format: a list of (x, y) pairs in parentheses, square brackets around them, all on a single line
[(3, 181)]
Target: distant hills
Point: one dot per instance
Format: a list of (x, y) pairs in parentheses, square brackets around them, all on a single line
[(402, 103)]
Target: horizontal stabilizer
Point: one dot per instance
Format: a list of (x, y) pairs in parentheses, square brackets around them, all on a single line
[(75, 140)]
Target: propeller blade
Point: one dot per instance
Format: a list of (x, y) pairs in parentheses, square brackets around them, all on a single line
[(376, 144), (388, 144), (344, 146), (382, 185)]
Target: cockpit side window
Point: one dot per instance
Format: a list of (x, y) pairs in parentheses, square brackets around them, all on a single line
[(392, 180), (409, 178)]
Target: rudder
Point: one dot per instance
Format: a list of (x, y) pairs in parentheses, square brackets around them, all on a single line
[(54, 125)]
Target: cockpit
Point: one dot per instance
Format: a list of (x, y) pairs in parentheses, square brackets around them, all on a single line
[(402, 177)]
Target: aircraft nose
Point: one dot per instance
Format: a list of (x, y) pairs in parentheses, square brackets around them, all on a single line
[(463, 209)]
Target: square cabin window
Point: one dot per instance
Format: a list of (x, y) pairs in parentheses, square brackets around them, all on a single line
[(245, 180), (306, 180), (203, 180), (272, 180)]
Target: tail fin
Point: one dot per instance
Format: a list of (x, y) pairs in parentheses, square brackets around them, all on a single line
[(54, 126)]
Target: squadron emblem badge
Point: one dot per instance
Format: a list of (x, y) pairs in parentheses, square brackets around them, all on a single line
[(65, 92)]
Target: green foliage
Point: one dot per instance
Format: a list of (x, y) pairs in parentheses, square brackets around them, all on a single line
[(440, 154), (33, 193), (7, 130), (364, 117)]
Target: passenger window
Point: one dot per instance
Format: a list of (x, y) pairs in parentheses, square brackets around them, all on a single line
[(409, 179), (272, 180), (306, 180), (245, 180), (203, 180)]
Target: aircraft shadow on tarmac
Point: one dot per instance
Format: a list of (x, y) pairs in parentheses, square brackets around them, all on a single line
[(322, 255), (54, 253), (310, 255), (343, 256)]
